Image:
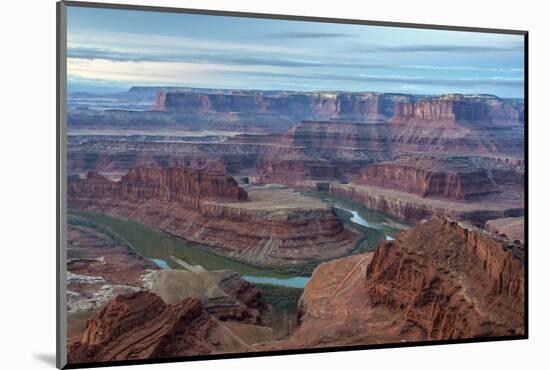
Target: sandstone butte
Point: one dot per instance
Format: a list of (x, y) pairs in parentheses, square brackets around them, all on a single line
[(440, 280), (266, 226)]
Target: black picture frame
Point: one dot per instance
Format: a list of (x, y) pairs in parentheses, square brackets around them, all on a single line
[(61, 186)]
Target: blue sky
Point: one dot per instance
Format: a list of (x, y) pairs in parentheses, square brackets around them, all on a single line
[(112, 49)]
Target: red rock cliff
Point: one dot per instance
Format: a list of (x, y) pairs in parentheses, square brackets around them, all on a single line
[(439, 280), (212, 210), (458, 108), (288, 103), (455, 178), (142, 326), (446, 280), (186, 186), (355, 106)]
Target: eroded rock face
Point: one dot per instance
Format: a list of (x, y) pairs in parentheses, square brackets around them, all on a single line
[(459, 108), (358, 106), (141, 326), (185, 186), (440, 280), (320, 150), (290, 171), (206, 209), (450, 280), (224, 294), (286, 103), (453, 178), (414, 208)]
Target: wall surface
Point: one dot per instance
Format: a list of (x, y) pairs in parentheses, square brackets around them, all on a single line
[(28, 182)]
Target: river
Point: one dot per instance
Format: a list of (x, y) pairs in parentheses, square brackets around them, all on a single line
[(169, 252), (380, 224)]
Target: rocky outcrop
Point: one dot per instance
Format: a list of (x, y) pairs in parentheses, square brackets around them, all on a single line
[(413, 208), (100, 265), (347, 130), (110, 156), (184, 186), (343, 105), (291, 170), (350, 130), (224, 294), (428, 176), (439, 280), (455, 108), (269, 225), (321, 150), (286, 103), (142, 326), (450, 280), (425, 110)]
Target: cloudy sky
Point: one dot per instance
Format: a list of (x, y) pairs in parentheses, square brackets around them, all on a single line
[(111, 50)]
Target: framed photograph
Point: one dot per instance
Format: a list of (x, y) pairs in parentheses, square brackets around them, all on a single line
[(235, 184)]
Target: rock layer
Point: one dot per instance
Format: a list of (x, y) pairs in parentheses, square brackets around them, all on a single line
[(276, 226), (440, 280), (142, 326), (413, 208), (99, 266), (224, 294), (184, 186), (343, 105), (452, 178), (464, 283), (459, 108)]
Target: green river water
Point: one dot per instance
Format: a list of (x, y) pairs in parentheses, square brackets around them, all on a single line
[(162, 248)]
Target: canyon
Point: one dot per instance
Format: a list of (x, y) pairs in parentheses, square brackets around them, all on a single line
[(465, 149), (102, 267), (267, 225), (440, 280), (403, 213)]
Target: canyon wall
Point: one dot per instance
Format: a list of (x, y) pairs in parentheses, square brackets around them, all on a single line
[(452, 178), (403, 209), (141, 326), (292, 170), (188, 187), (349, 130), (294, 104), (357, 106), (450, 280), (211, 209), (223, 293), (413, 208), (439, 280)]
